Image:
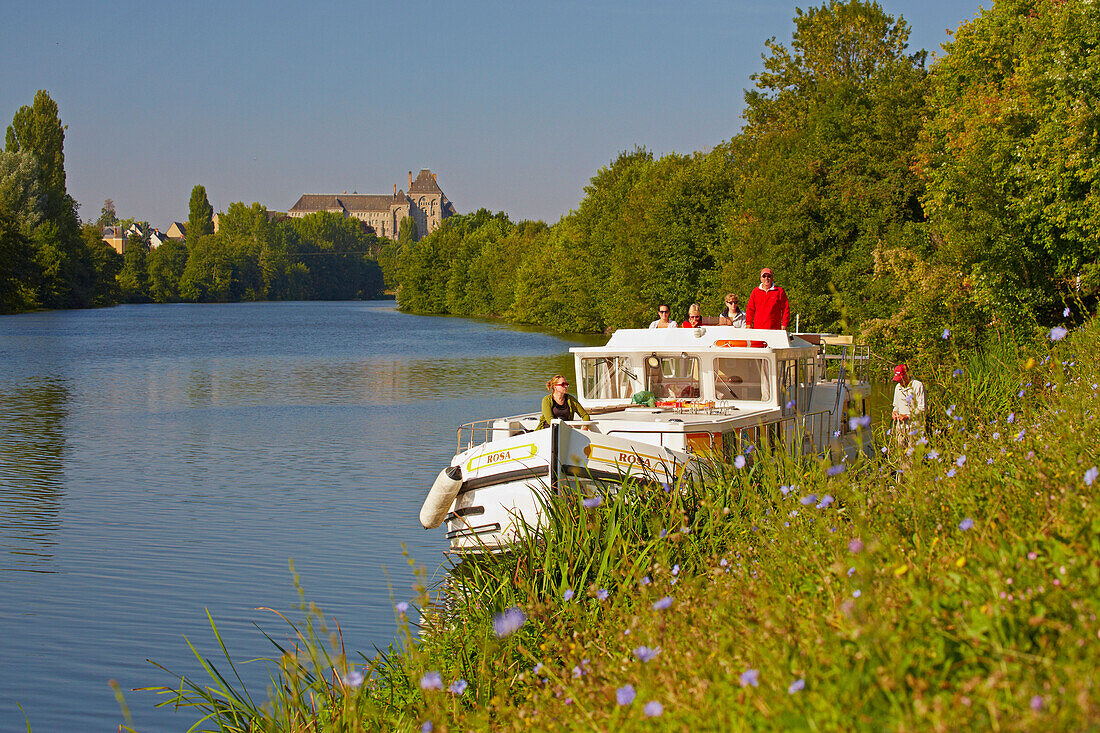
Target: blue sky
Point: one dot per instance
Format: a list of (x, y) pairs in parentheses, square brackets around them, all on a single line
[(514, 105)]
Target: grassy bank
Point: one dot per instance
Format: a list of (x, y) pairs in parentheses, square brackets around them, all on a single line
[(781, 595)]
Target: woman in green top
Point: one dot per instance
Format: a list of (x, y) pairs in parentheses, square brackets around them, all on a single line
[(559, 403)]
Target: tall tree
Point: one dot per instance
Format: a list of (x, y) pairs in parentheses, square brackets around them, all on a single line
[(200, 219), (38, 130), (107, 215)]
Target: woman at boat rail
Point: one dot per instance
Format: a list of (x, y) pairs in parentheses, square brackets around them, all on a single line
[(695, 317), (663, 320), (732, 315), (559, 403)]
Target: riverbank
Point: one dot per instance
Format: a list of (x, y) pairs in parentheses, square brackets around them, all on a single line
[(781, 596)]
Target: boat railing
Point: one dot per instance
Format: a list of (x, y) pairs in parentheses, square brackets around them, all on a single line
[(807, 432), (851, 362)]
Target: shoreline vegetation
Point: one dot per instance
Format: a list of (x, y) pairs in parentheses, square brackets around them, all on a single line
[(783, 595), (885, 190)]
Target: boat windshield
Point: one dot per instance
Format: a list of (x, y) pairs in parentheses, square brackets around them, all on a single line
[(673, 377), (742, 379), (607, 378)]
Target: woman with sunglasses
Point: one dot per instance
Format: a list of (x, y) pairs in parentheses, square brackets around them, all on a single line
[(559, 403), (663, 319), (695, 317), (732, 315)]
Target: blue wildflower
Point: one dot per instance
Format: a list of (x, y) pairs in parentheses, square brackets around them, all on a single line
[(951, 473), (966, 524), (957, 373), (857, 593), (851, 571), (1037, 703), (402, 607), (946, 333), (577, 672), (354, 678), (825, 501), (602, 594), (858, 423), (625, 694), (1020, 435), (855, 546), (592, 502), (664, 533), (808, 499), (960, 461), (431, 681), (567, 595), (1058, 333), (1011, 418), (1091, 475), (509, 622), (796, 686), (646, 580), (458, 687), (663, 603), (653, 709), (750, 677), (645, 654), (676, 569), (427, 727), (834, 470), (739, 462)]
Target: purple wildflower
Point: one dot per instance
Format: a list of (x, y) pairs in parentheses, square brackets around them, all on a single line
[(602, 594), (1091, 475), (933, 454), (625, 694), (1011, 418), (855, 546), (431, 681), (1037, 703), (664, 533), (653, 709), (402, 607), (808, 499), (663, 603), (1058, 333), (676, 569), (1020, 435), (577, 672), (834, 470), (796, 686), (567, 595), (784, 490), (951, 473), (1065, 313), (509, 622), (646, 580), (427, 727), (458, 687), (592, 502), (354, 678), (966, 524), (825, 501), (750, 677), (739, 462), (851, 571), (960, 461), (645, 654), (858, 423), (857, 593), (957, 373), (946, 333)]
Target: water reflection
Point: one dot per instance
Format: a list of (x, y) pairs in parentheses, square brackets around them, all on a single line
[(32, 446)]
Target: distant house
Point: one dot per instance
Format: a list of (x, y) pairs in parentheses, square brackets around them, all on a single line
[(178, 230), (425, 203), (156, 238), (118, 238)]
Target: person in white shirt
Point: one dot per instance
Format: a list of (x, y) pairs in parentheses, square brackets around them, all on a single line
[(663, 312), (908, 412)]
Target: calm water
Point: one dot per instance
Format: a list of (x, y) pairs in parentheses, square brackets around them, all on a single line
[(156, 461)]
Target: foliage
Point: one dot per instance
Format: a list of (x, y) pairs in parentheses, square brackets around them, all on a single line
[(107, 215), (200, 218), (1009, 154)]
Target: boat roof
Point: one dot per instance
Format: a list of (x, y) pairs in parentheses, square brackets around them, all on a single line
[(717, 339)]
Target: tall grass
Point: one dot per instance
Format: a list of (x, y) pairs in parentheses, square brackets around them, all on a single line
[(963, 593)]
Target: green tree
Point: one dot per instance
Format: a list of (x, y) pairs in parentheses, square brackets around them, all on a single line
[(133, 278), (107, 215), (1010, 156), (166, 264), (107, 264), (200, 219)]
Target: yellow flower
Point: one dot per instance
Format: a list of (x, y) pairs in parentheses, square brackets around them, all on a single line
[(960, 562), (901, 570)]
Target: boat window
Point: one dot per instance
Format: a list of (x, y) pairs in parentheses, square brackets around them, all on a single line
[(606, 378), (742, 379), (675, 378)]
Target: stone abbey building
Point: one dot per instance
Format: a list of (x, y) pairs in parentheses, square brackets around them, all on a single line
[(425, 203)]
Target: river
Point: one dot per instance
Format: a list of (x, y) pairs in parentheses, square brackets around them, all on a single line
[(159, 461)]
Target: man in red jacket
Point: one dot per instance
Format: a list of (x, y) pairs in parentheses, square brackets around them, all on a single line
[(768, 306)]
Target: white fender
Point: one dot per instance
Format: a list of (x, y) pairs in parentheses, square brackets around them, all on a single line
[(441, 496)]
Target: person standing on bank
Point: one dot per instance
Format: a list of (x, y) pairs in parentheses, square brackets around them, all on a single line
[(663, 320), (768, 306), (908, 413), (732, 315), (559, 403)]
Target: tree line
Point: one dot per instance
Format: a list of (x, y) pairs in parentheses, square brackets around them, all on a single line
[(49, 259), (893, 198)]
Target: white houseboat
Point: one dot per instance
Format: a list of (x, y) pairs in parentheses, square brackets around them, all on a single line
[(717, 389)]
